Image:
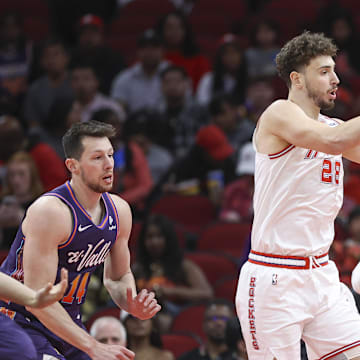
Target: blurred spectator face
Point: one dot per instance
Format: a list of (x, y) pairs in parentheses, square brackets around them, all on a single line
[(84, 83), (155, 241), (19, 177), (55, 59), (150, 56), (111, 333), (174, 85), (90, 37), (138, 328), (174, 31), (265, 36), (227, 119), (341, 30), (232, 58), (260, 94), (10, 28), (216, 318), (11, 136)]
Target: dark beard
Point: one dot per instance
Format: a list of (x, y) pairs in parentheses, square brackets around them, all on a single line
[(323, 105)]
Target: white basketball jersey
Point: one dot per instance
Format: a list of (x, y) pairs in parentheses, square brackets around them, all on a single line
[(298, 194)]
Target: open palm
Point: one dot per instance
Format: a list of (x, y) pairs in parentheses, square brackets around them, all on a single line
[(143, 306)]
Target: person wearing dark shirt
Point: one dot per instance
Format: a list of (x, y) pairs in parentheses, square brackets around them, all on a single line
[(217, 314)]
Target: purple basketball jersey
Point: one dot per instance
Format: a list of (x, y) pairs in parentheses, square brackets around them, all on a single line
[(84, 250)]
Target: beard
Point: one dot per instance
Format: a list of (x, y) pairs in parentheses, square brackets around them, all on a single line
[(317, 97), (96, 187)]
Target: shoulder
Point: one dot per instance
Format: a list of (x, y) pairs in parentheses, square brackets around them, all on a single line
[(281, 109), (49, 206), (189, 266), (122, 206), (47, 213)]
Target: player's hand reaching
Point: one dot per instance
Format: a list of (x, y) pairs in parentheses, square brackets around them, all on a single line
[(111, 352), (143, 306), (51, 293)]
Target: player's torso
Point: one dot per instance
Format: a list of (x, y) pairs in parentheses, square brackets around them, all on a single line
[(298, 194), (84, 250)]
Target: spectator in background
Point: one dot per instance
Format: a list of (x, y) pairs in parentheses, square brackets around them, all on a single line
[(144, 339), (347, 254), (12, 139), (139, 86), (181, 117), (57, 122), (235, 340), (227, 114), (91, 45), (180, 47), (109, 330), (22, 186), (53, 85), (160, 266), (15, 55), (132, 177), (338, 24), (261, 55), (217, 314), (229, 74), (237, 200), (88, 99), (141, 128), (259, 95)]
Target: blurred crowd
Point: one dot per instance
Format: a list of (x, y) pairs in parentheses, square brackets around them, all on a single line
[(184, 90)]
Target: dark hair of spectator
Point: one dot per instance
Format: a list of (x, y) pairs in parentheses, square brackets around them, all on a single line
[(355, 213), (233, 334), (72, 140), (216, 106), (219, 72), (155, 337), (189, 46), (172, 256), (174, 68)]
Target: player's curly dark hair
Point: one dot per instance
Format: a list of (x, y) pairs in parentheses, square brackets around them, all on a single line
[(299, 51)]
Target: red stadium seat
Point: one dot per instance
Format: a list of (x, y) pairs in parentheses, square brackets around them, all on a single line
[(231, 238), (180, 342), (215, 265), (225, 288), (190, 319), (193, 212)]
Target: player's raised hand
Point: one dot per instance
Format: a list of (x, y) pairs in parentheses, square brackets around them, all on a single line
[(51, 293), (143, 306)]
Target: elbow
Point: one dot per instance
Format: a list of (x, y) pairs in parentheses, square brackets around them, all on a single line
[(334, 145), (208, 294)]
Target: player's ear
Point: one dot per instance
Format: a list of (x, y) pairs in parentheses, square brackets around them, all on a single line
[(72, 165), (296, 79)]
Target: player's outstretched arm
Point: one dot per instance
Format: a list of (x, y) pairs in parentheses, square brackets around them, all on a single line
[(118, 278), (14, 290)]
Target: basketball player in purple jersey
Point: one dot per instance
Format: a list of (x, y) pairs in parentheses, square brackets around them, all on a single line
[(79, 226), (14, 342)]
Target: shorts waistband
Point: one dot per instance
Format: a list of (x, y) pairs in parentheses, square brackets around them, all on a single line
[(288, 262)]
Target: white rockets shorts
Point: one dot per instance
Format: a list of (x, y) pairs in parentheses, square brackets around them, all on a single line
[(278, 305)]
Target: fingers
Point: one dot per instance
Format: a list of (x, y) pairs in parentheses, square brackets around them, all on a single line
[(64, 275)]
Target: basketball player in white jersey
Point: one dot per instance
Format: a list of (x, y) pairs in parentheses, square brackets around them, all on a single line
[(289, 289)]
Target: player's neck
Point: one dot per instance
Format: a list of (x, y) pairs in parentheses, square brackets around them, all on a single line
[(305, 103), (89, 199)]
